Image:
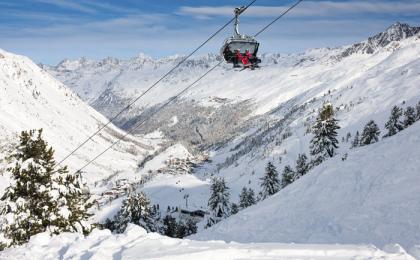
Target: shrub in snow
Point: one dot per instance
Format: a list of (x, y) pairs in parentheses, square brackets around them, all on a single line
[(409, 116), (394, 124), (270, 182), (324, 141), (218, 201), (370, 133), (42, 196), (135, 209)]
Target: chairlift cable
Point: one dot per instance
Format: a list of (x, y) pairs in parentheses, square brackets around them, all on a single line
[(151, 87), (181, 92)]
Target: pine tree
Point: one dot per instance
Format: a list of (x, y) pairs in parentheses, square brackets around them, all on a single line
[(234, 208), (246, 198), (169, 226), (409, 116), (394, 125), (356, 141), (288, 176), (370, 133), (42, 197), (191, 227), (348, 136), (418, 111), (251, 200), (219, 198), (270, 182), (135, 209), (302, 166), (243, 198), (324, 141), (181, 230)]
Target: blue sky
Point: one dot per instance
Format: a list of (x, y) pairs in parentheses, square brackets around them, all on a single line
[(49, 31)]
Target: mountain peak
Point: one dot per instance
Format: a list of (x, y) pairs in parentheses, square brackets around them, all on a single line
[(398, 31), (394, 33)]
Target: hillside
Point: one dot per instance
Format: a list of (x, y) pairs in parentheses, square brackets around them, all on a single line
[(371, 197), (31, 99)]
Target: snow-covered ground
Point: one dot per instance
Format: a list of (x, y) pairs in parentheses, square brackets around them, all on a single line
[(371, 197), (135, 243)]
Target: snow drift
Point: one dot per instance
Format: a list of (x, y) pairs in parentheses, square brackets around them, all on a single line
[(135, 243)]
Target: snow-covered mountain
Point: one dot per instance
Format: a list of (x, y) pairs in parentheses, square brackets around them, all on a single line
[(244, 119), (392, 35), (30, 98), (108, 85)]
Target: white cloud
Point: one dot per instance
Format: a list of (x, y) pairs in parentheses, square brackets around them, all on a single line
[(312, 9), (68, 5), (87, 6)]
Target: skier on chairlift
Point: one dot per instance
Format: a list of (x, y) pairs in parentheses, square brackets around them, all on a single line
[(240, 49)]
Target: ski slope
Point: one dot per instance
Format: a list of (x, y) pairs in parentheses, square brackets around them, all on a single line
[(371, 197), (135, 243)]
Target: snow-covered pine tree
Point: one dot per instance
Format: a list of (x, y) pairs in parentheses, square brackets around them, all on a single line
[(135, 209), (356, 141), (418, 111), (270, 182), (181, 230), (409, 116), (246, 198), (219, 198), (42, 196), (394, 125), (348, 136), (288, 176), (191, 227), (243, 198), (251, 200), (370, 133), (324, 141), (302, 166), (234, 208), (169, 226)]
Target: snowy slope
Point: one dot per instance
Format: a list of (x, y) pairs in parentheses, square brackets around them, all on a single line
[(31, 99), (135, 243), (363, 81), (372, 197)]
